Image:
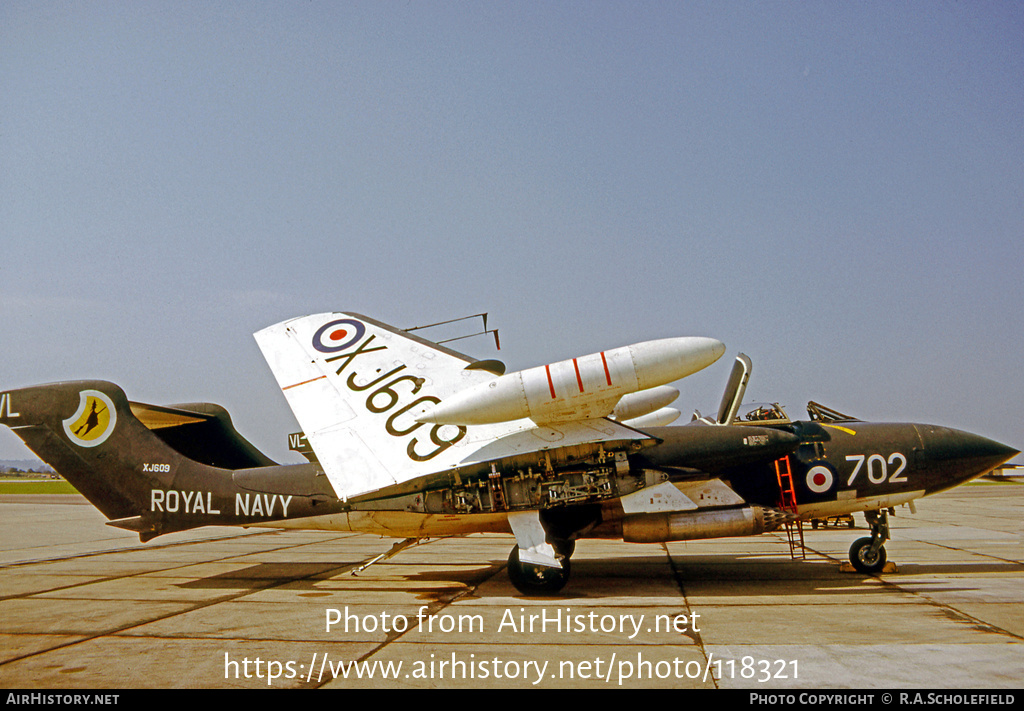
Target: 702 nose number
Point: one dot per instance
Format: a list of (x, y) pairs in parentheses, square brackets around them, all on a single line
[(878, 467)]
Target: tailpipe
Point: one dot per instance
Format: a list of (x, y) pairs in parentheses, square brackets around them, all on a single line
[(690, 525)]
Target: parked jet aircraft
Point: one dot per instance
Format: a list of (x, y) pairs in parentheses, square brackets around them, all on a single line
[(409, 439)]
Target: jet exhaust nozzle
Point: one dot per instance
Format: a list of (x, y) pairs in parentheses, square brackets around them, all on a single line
[(686, 525)]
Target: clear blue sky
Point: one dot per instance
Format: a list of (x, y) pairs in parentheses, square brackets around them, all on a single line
[(835, 189)]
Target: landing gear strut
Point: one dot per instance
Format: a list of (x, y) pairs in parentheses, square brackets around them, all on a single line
[(531, 579), (868, 554)]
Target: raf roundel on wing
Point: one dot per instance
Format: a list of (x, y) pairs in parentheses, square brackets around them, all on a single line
[(338, 335)]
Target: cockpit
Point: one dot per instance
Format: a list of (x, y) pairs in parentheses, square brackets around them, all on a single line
[(760, 413)]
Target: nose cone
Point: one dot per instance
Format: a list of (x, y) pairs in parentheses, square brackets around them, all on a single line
[(714, 348), (662, 361), (954, 457)]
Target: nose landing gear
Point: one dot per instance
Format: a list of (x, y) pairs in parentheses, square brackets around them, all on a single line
[(868, 554)]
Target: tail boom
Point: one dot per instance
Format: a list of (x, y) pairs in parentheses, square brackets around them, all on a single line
[(89, 433)]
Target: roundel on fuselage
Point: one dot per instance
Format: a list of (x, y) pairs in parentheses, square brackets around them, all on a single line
[(819, 479)]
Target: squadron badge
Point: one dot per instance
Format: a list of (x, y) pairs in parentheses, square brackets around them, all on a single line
[(93, 422)]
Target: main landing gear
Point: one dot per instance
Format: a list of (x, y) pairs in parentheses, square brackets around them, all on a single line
[(531, 579), (868, 554)]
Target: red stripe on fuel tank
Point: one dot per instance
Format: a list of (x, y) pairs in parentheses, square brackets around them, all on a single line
[(579, 380), (607, 374), (551, 385)]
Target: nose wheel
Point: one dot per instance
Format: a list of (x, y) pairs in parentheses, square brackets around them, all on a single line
[(868, 554)]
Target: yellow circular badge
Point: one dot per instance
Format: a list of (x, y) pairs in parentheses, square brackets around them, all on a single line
[(93, 422)]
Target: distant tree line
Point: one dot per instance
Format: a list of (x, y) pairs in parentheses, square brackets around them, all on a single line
[(10, 470)]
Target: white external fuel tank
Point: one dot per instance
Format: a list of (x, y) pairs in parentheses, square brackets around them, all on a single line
[(659, 418), (644, 402), (579, 388)]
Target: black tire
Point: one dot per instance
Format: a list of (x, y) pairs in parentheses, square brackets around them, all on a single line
[(863, 561), (532, 579), (563, 548)]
